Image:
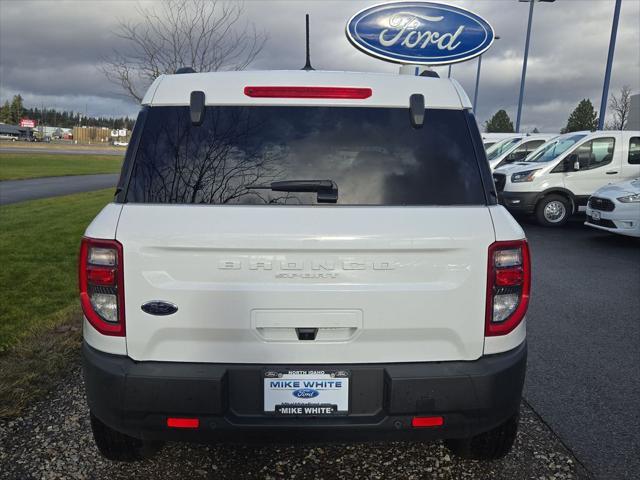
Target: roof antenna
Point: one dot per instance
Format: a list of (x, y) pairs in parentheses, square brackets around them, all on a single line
[(307, 65)]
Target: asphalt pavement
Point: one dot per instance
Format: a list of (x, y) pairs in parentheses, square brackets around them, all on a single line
[(583, 331), (12, 191), (63, 151)]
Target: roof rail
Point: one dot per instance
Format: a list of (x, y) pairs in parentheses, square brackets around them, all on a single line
[(184, 70)]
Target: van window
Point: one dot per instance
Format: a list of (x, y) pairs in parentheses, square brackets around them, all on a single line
[(596, 153), (555, 148), (523, 150), (373, 155), (501, 147), (634, 151)]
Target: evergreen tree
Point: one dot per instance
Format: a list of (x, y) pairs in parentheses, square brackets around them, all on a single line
[(584, 117), (499, 123), (17, 109), (12, 111), (5, 112)]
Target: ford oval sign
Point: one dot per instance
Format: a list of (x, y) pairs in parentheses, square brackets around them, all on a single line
[(420, 33), (305, 393)]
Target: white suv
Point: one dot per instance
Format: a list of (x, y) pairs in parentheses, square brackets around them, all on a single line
[(307, 254)]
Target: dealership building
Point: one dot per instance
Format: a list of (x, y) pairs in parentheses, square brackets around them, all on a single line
[(14, 132)]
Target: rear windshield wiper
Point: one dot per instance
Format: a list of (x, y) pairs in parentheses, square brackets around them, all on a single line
[(327, 190)]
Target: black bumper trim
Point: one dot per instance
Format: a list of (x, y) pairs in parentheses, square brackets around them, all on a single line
[(519, 202), (137, 397)]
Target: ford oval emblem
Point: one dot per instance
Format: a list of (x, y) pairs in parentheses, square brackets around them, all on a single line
[(159, 307), (305, 393), (419, 33)]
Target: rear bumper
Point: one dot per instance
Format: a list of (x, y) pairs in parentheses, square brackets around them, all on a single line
[(519, 202), (137, 397)]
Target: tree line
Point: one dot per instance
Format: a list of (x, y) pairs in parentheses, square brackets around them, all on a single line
[(583, 117), (12, 111)]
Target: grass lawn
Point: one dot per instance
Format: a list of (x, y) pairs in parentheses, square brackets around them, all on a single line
[(16, 166), (39, 308)]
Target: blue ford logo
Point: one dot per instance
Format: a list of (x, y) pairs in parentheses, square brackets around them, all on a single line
[(419, 33), (305, 393)]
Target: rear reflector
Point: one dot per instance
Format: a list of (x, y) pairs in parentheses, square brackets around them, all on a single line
[(183, 422), (308, 92), (420, 422)]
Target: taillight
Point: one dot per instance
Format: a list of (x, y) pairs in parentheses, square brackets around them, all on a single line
[(101, 279), (357, 93), (508, 286)]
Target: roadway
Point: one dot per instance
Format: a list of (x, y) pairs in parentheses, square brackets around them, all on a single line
[(63, 151), (12, 191), (583, 329)]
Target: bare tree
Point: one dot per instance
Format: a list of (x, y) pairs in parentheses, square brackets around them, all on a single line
[(620, 107), (208, 35)]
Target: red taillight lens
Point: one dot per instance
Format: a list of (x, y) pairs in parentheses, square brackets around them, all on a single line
[(421, 422), (508, 286), (509, 277), (101, 276), (101, 281), (356, 93), (173, 422)]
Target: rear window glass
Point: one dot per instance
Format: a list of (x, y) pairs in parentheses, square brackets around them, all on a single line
[(373, 156), (634, 151)]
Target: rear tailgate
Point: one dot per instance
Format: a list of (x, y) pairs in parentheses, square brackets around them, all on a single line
[(381, 284)]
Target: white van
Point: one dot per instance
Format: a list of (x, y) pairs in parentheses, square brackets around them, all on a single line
[(556, 181), (305, 254), (515, 148)]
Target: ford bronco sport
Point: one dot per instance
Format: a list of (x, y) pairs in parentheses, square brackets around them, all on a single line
[(304, 254)]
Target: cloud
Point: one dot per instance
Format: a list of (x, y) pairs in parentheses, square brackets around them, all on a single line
[(49, 52)]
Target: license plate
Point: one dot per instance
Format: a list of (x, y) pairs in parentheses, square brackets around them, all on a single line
[(306, 393), (595, 214)]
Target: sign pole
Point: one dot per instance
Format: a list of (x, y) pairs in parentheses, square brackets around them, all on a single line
[(475, 95), (607, 75), (524, 66)]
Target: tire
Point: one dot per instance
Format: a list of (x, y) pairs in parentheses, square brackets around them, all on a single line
[(489, 445), (553, 210), (119, 447)]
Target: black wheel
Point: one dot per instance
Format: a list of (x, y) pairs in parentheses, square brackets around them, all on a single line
[(119, 447), (490, 445), (553, 210)]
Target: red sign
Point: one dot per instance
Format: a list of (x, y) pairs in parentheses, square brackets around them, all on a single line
[(27, 122)]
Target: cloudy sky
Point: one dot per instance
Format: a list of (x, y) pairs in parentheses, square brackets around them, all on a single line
[(49, 51)]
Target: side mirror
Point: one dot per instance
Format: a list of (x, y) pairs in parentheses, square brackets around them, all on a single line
[(571, 163)]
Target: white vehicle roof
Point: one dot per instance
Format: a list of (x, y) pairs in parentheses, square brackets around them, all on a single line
[(498, 136), (227, 88)]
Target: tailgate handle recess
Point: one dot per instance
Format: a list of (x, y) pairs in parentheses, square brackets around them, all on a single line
[(306, 333)]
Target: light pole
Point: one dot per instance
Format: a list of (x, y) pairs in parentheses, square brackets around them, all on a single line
[(526, 57), (607, 74), (475, 94)]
